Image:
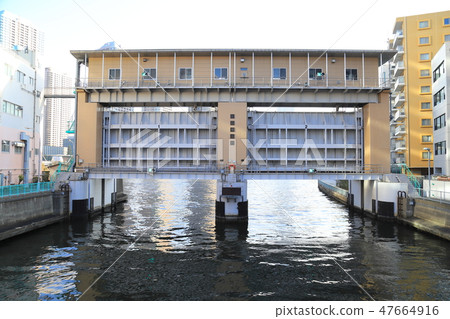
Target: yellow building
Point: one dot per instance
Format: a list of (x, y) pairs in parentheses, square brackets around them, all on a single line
[(416, 38)]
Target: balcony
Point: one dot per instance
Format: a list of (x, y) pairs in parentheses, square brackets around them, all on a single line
[(400, 130), (398, 38), (399, 69), (399, 83), (399, 115), (399, 100), (400, 146), (400, 52), (399, 159)]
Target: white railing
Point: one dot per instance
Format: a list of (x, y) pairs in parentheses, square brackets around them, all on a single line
[(170, 82), (399, 130), (247, 169), (433, 194)]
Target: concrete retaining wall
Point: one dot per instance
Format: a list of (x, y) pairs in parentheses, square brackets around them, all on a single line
[(429, 216), (23, 213), (337, 193), (433, 211)]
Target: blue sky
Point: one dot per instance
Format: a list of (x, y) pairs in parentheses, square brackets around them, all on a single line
[(136, 24)]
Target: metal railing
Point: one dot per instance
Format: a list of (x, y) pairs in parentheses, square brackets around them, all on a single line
[(404, 169), (170, 82), (22, 189), (247, 169), (440, 196)]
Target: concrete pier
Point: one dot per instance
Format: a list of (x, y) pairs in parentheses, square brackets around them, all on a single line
[(231, 202)]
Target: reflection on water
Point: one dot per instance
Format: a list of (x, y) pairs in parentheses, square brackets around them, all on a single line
[(174, 251)]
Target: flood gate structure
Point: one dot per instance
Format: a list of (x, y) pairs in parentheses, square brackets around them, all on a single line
[(231, 115)]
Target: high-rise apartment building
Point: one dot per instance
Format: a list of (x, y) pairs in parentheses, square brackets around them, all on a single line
[(417, 39), (21, 86), (441, 107), (16, 31), (58, 111)]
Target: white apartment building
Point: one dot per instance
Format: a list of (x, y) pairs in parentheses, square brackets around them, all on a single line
[(58, 111), (441, 109), (21, 98), (18, 32)]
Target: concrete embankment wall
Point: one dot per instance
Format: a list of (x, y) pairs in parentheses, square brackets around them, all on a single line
[(335, 192), (433, 211), (430, 216), (23, 213)]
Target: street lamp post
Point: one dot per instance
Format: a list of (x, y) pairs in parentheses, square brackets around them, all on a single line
[(429, 174)]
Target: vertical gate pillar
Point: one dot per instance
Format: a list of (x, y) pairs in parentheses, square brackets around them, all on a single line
[(231, 201)]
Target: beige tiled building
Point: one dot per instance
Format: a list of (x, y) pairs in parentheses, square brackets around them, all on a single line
[(417, 39)]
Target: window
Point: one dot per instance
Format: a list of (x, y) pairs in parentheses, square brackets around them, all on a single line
[(114, 74), (440, 148), (438, 72), (424, 73), (221, 73), (6, 145), (279, 73), (425, 106), (185, 73), (13, 109), (425, 89), (231, 122), (439, 122), (231, 129), (231, 135), (446, 37), (426, 138), (316, 74), (426, 155), (424, 24), (439, 97), (8, 70), (17, 150), (20, 77), (149, 74), (424, 40), (231, 142), (351, 74), (424, 57), (231, 116), (446, 21), (426, 122)]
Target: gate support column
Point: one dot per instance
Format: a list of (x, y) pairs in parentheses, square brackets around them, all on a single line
[(231, 201)]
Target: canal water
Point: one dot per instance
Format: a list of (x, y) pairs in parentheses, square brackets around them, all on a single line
[(163, 244)]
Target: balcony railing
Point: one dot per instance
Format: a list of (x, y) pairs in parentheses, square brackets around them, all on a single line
[(400, 146), (399, 115), (399, 68), (398, 38), (400, 52), (400, 130), (205, 82), (399, 83), (399, 100)]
